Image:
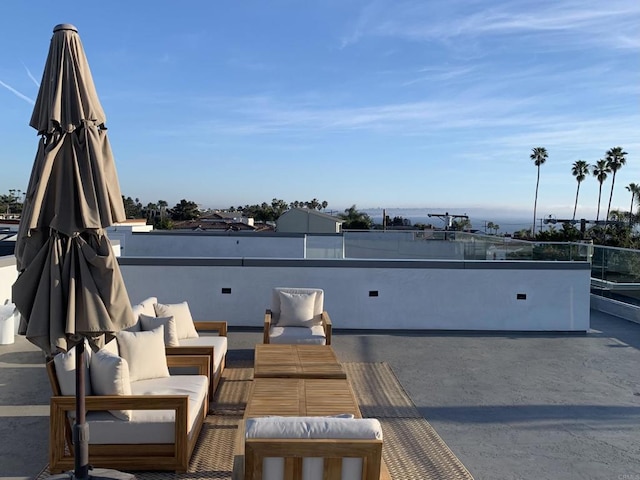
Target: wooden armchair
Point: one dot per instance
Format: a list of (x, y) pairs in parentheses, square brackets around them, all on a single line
[(340, 449), (297, 315)]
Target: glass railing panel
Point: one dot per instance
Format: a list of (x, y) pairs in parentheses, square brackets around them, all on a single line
[(324, 246), (443, 245), (615, 274)]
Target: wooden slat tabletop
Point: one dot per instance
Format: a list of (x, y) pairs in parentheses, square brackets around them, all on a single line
[(301, 397), (297, 361)]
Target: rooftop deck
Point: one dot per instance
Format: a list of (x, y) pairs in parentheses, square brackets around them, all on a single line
[(510, 406)]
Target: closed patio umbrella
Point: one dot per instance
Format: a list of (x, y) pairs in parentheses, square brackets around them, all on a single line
[(69, 285)]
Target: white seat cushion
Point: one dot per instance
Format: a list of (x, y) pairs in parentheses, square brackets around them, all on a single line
[(150, 426), (314, 335), (313, 427), (219, 345)]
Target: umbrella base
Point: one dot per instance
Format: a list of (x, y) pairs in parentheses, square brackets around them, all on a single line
[(96, 474)]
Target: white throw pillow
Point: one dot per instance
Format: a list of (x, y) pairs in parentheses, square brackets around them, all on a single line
[(145, 354), (182, 315), (169, 324), (112, 347), (65, 365), (297, 309), (110, 376)]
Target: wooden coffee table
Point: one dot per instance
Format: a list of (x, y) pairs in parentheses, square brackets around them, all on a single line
[(296, 361), (301, 397)]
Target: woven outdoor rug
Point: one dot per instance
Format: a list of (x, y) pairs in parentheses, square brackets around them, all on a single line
[(412, 449)]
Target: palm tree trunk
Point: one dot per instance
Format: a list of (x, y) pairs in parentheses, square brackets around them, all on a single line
[(633, 194), (599, 197), (575, 206), (613, 182), (535, 206)]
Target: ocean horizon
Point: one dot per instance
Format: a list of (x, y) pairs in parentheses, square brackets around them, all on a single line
[(508, 222)]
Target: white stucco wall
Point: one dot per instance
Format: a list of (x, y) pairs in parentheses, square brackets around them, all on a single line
[(450, 295)]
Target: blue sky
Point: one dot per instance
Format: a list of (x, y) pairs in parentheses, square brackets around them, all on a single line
[(432, 105)]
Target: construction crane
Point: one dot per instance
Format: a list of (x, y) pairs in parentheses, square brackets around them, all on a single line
[(448, 219)]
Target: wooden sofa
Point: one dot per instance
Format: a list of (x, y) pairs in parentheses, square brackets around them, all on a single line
[(169, 451), (213, 346)]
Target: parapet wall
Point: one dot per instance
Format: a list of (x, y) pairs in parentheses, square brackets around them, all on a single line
[(376, 294)]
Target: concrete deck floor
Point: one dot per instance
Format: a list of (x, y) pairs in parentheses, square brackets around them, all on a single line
[(510, 406)]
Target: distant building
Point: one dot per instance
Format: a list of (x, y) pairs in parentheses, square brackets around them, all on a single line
[(218, 221), (9, 223), (304, 220)]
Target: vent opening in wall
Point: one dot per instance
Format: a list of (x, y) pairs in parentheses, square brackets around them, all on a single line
[(226, 290), (373, 293), (521, 296)]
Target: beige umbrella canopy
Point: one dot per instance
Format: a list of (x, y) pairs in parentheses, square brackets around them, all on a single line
[(70, 283), (70, 286)]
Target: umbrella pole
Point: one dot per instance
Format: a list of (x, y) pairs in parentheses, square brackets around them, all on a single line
[(80, 427)]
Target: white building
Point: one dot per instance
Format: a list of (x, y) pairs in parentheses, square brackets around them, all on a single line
[(304, 220)]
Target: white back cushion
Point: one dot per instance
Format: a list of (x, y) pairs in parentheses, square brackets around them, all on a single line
[(112, 347), (145, 307), (169, 323), (144, 352), (318, 305), (148, 306), (65, 365), (110, 376), (182, 314)]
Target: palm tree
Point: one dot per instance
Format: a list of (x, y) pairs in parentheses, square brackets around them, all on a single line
[(600, 170), (539, 156), (615, 158), (353, 219), (635, 190), (580, 170)]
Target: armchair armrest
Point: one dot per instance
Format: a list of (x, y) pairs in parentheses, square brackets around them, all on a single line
[(267, 326), (219, 326), (61, 405), (326, 323), (201, 362)]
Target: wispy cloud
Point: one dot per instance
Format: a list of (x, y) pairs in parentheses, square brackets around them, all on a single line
[(17, 93), (611, 24), (30, 75), (509, 122)]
